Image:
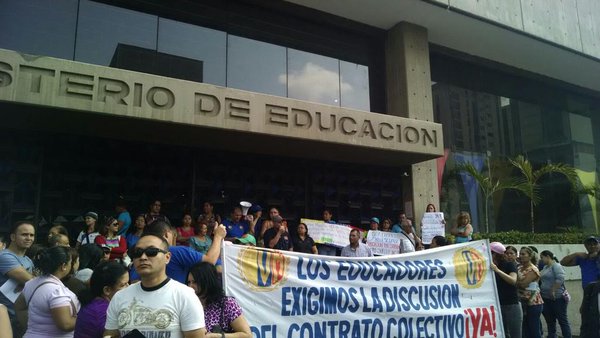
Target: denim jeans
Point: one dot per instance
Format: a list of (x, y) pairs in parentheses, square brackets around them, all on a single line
[(532, 322), (556, 310), (512, 319)]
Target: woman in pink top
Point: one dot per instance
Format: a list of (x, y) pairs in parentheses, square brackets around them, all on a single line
[(46, 306), (185, 231)]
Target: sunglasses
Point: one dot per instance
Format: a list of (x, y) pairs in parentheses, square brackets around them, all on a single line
[(149, 251)]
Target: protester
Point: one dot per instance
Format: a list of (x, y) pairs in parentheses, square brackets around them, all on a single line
[(70, 281), (528, 277), (397, 228), (278, 236), (110, 239), (135, 232), (462, 229), (409, 241), (302, 242), (506, 284), (438, 241), (209, 216), (587, 261), (46, 306), (356, 248), (256, 223), (266, 225), (90, 255), (182, 257), (88, 235), (201, 241), (123, 216), (154, 213), (58, 230), (59, 239), (176, 310), (247, 240), (555, 295), (511, 254), (2, 242), (590, 311), (107, 279), (236, 225), (15, 267), (386, 225), (185, 231), (6, 331), (223, 315)]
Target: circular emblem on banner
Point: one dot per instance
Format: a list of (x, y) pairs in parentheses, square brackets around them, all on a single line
[(470, 267), (263, 270)]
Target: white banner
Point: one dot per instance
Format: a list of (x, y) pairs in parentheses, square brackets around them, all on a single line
[(432, 225), (325, 233), (384, 243), (443, 292)]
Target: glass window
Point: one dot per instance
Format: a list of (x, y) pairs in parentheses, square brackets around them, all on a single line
[(313, 77), (354, 82), (256, 66), (194, 42), (105, 31), (39, 27)]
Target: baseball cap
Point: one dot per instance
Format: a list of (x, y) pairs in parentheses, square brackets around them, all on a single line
[(591, 239), (92, 215), (246, 239), (255, 208), (375, 219), (497, 247), (277, 219)]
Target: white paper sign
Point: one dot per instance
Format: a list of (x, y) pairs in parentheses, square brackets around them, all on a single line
[(325, 233), (11, 290), (384, 243), (432, 225)]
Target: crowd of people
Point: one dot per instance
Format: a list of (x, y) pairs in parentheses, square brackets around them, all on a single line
[(89, 288)]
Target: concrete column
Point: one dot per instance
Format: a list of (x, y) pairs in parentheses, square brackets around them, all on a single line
[(408, 87)]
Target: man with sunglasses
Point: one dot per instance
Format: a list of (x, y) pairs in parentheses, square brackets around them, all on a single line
[(183, 257), (157, 306)]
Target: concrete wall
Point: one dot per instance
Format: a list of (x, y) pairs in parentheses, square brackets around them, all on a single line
[(570, 23)]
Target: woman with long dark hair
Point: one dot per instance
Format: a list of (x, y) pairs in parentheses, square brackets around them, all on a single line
[(529, 292), (555, 295), (135, 232), (303, 242), (107, 279), (222, 315), (109, 238), (46, 306)]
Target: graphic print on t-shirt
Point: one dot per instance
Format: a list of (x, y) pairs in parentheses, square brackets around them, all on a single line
[(140, 316)]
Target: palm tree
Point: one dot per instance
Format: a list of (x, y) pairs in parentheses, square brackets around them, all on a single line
[(528, 183), (487, 185)]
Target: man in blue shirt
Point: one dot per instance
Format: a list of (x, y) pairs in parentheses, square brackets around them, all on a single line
[(236, 226), (588, 262)]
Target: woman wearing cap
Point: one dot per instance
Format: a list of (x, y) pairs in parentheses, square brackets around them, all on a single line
[(555, 295), (88, 235), (303, 242), (223, 315), (506, 283), (109, 238), (528, 277)]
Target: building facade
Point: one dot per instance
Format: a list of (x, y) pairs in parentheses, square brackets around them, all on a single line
[(364, 108)]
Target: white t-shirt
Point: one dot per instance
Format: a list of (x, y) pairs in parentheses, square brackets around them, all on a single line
[(83, 239), (173, 308)]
